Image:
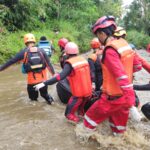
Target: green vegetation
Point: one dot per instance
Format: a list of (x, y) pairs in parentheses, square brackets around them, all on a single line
[(58, 18), (138, 18), (139, 39)]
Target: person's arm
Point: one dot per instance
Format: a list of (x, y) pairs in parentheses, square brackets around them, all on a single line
[(18, 57), (62, 59), (144, 63), (48, 63), (145, 87), (62, 75), (137, 64)]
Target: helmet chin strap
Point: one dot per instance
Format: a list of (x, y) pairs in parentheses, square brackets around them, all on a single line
[(105, 41)]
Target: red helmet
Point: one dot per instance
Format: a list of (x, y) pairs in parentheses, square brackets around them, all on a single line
[(62, 42), (95, 43), (104, 22), (71, 48)]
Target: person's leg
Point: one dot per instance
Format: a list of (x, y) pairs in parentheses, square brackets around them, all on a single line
[(72, 107), (97, 113), (99, 81), (33, 95), (118, 120), (45, 95), (81, 110)]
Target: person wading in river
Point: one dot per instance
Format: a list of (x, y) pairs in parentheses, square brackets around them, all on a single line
[(118, 94), (76, 69), (35, 64)]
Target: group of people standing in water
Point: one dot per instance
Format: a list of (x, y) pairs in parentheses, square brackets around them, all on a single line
[(109, 68)]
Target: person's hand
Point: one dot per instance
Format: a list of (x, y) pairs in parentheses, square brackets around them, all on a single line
[(134, 114), (38, 86)]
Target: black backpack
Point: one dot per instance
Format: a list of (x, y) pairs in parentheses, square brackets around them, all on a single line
[(34, 60)]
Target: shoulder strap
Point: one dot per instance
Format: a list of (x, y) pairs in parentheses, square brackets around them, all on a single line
[(25, 55)]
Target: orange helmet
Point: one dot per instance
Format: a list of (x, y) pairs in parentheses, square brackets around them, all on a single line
[(95, 43), (62, 42), (29, 38), (71, 48), (104, 22)]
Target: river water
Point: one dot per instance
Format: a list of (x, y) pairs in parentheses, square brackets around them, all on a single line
[(26, 125)]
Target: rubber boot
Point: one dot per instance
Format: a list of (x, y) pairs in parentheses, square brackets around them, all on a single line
[(73, 118)]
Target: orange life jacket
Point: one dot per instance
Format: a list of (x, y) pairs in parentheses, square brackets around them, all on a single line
[(110, 85), (79, 79), (96, 55), (35, 77), (93, 57)]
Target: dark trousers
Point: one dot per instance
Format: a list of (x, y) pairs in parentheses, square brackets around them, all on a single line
[(33, 95)]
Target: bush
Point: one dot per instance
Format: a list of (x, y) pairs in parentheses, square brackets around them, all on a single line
[(11, 43), (139, 39)]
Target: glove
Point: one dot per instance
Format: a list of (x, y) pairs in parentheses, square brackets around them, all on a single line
[(38, 86), (134, 114)]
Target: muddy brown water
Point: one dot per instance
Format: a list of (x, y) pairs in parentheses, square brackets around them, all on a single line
[(26, 125)]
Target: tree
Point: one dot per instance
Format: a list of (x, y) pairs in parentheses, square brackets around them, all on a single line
[(138, 16)]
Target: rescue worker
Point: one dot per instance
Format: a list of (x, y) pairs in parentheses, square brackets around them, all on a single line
[(121, 33), (95, 64), (33, 78), (146, 66), (146, 107), (46, 45), (118, 94), (146, 87), (61, 43), (76, 69)]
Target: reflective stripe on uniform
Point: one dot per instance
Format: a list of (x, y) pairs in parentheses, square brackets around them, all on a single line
[(118, 127), (122, 49), (79, 63), (122, 77), (90, 121), (126, 86), (136, 66)]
